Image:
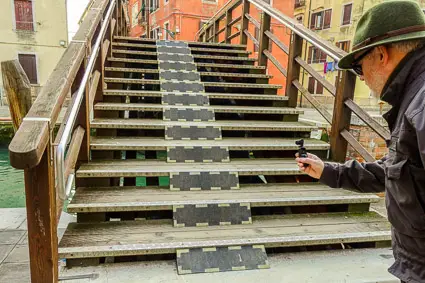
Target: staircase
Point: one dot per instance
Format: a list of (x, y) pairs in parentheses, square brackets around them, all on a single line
[(192, 152)]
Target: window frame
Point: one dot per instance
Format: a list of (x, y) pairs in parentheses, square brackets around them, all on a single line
[(343, 13), (33, 17), (344, 41), (36, 65), (314, 26)]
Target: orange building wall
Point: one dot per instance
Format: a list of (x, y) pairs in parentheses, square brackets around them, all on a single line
[(185, 15)]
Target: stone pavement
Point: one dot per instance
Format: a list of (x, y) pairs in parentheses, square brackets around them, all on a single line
[(363, 266)]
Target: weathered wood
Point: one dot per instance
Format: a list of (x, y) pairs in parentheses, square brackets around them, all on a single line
[(94, 87), (250, 36), (225, 125), (264, 41), (216, 50), (40, 197), (18, 91), (365, 117), (110, 199), (253, 21), (293, 69), (216, 108), (341, 116), (245, 22), (137, 143), (156, 168), (234, 21), (316, 104), (235, 75), (277, 41), (215, 30), (135, 45), (73, 151), (211, 95), (330, 87), (273, 59), (136, 237), (231, 66), (105, 49), (236, 34), (357, 146)]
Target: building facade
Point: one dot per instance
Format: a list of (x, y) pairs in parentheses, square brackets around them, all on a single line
[(34, 32), (335, 21)]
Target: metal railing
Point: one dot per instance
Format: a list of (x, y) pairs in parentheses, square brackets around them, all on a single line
[(293, 45)]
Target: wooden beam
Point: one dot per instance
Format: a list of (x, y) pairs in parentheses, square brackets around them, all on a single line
[(316, 104), (326, 84), (273, 59), (250, 36), (18, 91), (236, 34), (295, 51), (228, 26), (216, 26), (253, 21), (73, 151), (235, 21), (94, 87), (40, 196), (365, 117), (342, 116), (357, 146), (277, 41), (105, 49), (245, 21), (264, 40)]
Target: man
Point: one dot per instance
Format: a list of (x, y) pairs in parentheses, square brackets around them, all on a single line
[(389, 55)]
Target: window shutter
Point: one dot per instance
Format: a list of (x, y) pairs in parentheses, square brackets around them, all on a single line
[(347, 14), (311, 83), (323, 57), (319, 88), (313, 21), (29, 64), (310, 54), (24, 15), (328, 17)]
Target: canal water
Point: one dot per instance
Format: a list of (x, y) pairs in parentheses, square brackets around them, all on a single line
[(12, 191)]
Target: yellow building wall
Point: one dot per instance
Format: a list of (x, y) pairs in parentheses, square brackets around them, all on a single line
[(337, 33), (48, 42)]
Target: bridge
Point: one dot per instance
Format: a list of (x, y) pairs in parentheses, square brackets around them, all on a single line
[(185, 150)]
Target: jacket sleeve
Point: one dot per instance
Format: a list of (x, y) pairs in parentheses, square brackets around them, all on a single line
[(363, 177)]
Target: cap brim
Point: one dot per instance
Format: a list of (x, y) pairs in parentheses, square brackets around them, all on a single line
[(346, 62)]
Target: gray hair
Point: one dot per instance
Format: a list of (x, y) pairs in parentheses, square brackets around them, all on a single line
[(408, 45)]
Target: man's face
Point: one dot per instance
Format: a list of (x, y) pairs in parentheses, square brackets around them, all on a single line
[(373, 74)]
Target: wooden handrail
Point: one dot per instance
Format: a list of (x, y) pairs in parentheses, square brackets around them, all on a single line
[(276, 41)]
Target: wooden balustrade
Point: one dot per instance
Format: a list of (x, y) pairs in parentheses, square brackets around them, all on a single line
[(344, 92), (33, 145)]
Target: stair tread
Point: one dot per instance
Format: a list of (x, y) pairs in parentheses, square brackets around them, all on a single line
[(191, 43), (150, 46), (209, 94), (139, 198), (141, 143), (134, 167), (203, 74), (216, 108), (215, 50), (195, 56), (206, 84), (141, 237), (224, 124), (132, 70)]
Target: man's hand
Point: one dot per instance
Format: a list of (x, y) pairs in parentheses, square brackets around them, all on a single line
[(315, 168)]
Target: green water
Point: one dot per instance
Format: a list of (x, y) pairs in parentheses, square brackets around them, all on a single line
[(12, 190)]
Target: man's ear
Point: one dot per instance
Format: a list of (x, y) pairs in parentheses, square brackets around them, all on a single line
[(383, 55)]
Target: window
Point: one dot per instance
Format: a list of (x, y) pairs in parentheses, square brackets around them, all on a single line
[(316, 21), (167, 31), (24, 15), (327, 19), (29, 64), (346, 14), (314, 87), (315, 55), (344, 45), (154, 5), (155, 33), (299, 3)]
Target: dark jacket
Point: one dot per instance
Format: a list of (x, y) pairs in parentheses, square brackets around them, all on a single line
[(401, 173)]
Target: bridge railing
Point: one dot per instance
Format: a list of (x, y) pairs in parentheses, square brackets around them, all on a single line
[(342, 89), (48, 155)]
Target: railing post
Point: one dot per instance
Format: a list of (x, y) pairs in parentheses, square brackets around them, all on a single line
[(264, 39), (295, 50), (40, 196), (244, 22), (228, 31), (216, 28), (341, 115)]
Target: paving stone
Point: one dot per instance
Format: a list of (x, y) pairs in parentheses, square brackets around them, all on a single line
[(19, 254), (15, 272), (11, 237)]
